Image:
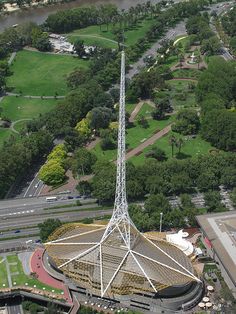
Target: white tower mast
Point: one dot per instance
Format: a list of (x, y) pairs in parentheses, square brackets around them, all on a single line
[(120, 217)]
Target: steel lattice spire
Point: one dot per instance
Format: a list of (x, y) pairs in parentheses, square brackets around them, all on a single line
[(120, 213)]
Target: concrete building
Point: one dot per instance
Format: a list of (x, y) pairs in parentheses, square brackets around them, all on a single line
[(219, 236)]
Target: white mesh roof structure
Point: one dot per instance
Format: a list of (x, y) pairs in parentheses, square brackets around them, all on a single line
[(117, 258)]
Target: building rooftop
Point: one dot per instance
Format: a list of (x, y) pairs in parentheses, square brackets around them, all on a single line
[(220, 230), (123, 269)]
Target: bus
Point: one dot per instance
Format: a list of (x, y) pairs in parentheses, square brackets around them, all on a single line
[(51, 198)]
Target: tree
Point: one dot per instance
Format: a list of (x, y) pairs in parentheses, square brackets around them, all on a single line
[(52, 173), (161, 108), (78, 77), (143, 122), (180, 183), (58, 153), (172, 142), (187, 122), (100, 117), (83, 128), (157, 203), (213, 201), (157, 153), (233, 196), (104, 190), (140, 218), (40, 40), (179, 143), (83, 161), (84, 187), (210, 46), (219, 128), (48, 227), (79, 47)]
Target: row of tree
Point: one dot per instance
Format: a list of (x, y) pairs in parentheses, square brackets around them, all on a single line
[(13, 39), (198, 26), (172, 177), (216, 93)]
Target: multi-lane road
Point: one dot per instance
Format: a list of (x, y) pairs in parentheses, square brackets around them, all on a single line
[(19, 218)]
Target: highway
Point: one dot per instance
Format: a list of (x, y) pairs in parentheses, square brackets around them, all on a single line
[(19, 218)]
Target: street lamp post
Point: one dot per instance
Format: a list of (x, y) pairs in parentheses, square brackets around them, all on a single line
[(161, 215)]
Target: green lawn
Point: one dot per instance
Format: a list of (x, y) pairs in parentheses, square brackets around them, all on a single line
[(4, 135), (94, 35), (17, 108), (145, 111), (187, 73), (192, 147), (22, 278), (36, 73), (129, 107), (135, 136), (3, 273)]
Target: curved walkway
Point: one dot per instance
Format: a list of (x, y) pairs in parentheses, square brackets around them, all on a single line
[(15, 122), (94, 36), (38, 268)]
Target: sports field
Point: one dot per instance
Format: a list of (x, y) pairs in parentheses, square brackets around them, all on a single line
[(42, 74)]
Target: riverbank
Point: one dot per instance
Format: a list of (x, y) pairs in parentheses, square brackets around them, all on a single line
[(38, 14)]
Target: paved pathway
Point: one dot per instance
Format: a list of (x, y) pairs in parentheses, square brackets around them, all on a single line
[(136, 111), (25, 257), (94, 36), (93, 143), (148, 142), (8, 273), (14, 123), (35, 97), (38, 268), (138, 107), (12, 57)]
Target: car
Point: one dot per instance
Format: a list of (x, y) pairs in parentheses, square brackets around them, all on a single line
[(70, 197), (78, 196), (38, 241), (17, 231)]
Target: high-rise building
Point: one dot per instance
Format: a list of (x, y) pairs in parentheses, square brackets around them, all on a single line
[(117, 261)]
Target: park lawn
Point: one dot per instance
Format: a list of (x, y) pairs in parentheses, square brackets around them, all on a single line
[(135, 33), (192, 147), (4, 135), (21, 279), (145, 111), (129, 107), (135, 136), (171, 61), (17, 108), (3, 273), (38, 74), (187, 73), (178, 88), (138, 134), (20, 125), (94, 35)]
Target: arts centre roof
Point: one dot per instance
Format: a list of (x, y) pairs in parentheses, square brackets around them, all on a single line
[(114, 267)]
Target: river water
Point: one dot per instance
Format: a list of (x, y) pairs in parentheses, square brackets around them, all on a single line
[(39, 15)]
